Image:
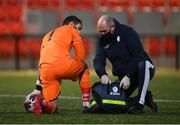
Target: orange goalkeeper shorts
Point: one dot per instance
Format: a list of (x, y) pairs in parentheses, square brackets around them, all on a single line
[(51, 77)]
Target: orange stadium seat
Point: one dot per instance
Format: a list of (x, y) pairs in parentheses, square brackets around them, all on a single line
[(116, 4), (127, 4), (15, 13), (2, 2), (16, 28), (43, 4), (4, 28), (23, 48), (38, 4), (103, 5), (153, 46), (31, 3), (6, 48), (119, 5), (159, 5), (72, 4), (169, 46), (174, 5), (87, 4), (15, 3), (3, 14), (144, 5), (34, 48), (55, 4)]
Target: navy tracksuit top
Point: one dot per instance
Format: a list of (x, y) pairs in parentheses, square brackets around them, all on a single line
[(124, 52)]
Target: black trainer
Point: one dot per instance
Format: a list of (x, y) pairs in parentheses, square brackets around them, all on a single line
[(86, 110), (137, 109), (150, 102)]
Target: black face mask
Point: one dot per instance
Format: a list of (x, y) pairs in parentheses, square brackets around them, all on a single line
[(108, 38)]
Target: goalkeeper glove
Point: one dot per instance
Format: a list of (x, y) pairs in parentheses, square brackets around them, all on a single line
[(38, 88)]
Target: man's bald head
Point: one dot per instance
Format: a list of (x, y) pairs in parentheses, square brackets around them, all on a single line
[(105, 22)]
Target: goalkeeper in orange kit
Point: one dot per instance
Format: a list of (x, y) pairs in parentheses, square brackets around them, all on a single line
[(57, 64)]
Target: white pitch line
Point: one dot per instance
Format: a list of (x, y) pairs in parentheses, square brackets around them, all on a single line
[(73, 97), (163, 100), (23, 96)]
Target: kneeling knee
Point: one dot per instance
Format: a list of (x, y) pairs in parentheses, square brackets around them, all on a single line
[(51, 107)]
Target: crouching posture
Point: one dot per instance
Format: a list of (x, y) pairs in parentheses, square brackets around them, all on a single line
[(121, 45), (57, 64)]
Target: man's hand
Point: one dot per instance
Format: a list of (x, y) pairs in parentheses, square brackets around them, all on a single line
[(125, 83), (105, 79)]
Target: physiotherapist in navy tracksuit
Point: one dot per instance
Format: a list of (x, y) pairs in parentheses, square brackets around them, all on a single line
[(120, 44)]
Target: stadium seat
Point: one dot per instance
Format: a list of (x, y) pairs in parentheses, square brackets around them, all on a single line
[(23, 48), (116, 4), (153, 46), (55, 4), (16, 28), (159, 5), (31, 4), (3, 14), (122, 17), (169, 46), (3, 28), (15, 13), (43, 4), (87, 4), (38, 4), (6, 48), (144, 5), (34, 48), (14, 3), (89, 25), (119, 5), (173, 23), (71, 4), (148, 22), (174, 5), (2, 2), (102, 5)]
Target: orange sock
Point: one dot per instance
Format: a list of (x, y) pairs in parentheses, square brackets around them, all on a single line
[(85, 84)]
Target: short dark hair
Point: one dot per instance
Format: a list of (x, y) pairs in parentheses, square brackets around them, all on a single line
[(73, 19)]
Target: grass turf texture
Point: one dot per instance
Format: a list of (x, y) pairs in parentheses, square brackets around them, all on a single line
[(165, 86)]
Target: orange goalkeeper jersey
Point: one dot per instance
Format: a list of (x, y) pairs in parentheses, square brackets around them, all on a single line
[(57, 44)]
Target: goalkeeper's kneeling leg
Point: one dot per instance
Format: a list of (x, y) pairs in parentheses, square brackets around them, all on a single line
[(50, 106)]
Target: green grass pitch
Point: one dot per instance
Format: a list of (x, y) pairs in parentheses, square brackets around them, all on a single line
[(14, 85)]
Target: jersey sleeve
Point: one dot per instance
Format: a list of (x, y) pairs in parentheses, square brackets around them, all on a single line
[(78, 46), (135, 48), (100, 61)]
